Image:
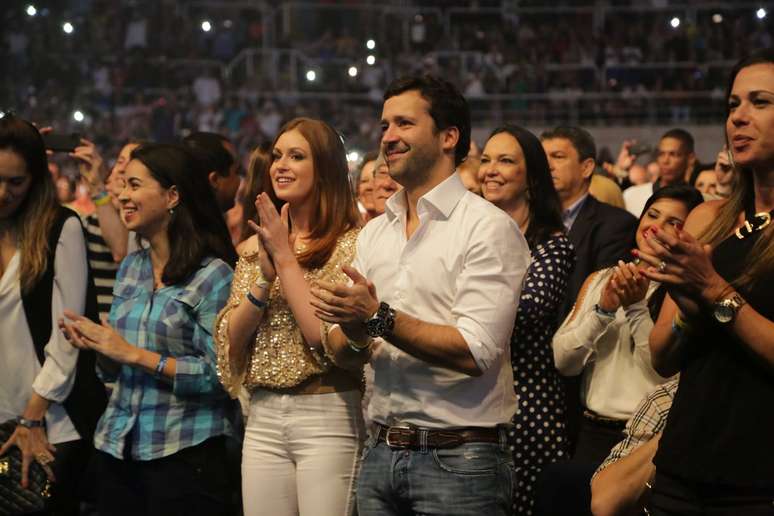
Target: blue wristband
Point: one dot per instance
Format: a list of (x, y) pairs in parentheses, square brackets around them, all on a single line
[(160, 366), (260, 305)]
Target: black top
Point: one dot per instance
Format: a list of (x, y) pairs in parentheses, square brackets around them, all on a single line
[(720, 430), (87, 399)]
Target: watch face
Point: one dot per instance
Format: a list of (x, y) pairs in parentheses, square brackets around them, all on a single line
[(375, 327), (724, 312)]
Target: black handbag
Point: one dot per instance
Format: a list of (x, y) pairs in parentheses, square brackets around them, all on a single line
[(14, 499)]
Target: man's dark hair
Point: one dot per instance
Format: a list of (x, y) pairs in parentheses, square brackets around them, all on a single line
[(685, 138), (580, 138), (209, 151), (448, 108)]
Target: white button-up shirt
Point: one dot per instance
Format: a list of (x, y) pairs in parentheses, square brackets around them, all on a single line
[(462, 267)]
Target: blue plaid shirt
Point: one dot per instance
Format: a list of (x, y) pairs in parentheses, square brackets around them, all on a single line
[(155, 417)]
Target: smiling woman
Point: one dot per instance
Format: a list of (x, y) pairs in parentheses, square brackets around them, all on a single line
[(167, 411), (271, 342), (716, 326), (514, 172)]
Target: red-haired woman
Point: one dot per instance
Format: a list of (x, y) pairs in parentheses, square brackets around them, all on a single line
[(305, 428)]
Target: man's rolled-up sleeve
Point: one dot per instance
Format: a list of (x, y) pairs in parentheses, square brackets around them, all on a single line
[(488, 289)]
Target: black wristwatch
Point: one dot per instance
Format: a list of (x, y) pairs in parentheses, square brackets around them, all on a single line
[(30, 423), (382, 322)]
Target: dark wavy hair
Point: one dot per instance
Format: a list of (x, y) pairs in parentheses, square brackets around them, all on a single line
[(196, 228), (448, 108), (545, 208), (35, 217)]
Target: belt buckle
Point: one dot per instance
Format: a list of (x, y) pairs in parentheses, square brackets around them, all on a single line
[(401, 431)]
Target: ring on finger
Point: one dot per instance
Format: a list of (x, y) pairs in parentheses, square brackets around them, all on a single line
[(662, 266)]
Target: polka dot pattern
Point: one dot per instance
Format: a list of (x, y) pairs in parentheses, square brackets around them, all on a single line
[(539, 434)]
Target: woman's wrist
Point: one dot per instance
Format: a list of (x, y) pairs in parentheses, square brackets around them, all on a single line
[(284, 259), (716, 290)]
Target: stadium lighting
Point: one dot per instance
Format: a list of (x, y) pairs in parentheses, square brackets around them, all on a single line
[(206, 26), (31, 10), (78, 115), (371, 60), (370, 44), (761, 13), (353, 156), (2, 114), (311, 75), (717, 18), (674, 22), (352, 71), (68, 28)]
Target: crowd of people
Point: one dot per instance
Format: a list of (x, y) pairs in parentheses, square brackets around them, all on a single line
[(510, 330), (148, 69)]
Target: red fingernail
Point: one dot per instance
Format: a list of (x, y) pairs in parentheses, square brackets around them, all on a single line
[(635, 252)]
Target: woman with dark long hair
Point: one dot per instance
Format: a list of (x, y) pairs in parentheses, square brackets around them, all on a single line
[(161, 442), (45, 384), (514, 175), (716, 326), (605, 337), (305, 426)]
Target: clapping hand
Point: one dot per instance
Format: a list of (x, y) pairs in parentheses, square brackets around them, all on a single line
[(347, 305), (273, 235), (684, 265), (82, 333), (625, 287)]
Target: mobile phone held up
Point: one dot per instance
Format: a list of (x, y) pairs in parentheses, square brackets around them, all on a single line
[(638, 149), (62, 142)]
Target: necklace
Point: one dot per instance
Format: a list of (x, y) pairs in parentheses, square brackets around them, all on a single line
[(752, 225), (754, 221)]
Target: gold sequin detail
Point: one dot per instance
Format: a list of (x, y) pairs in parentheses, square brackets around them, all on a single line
[(280, 357)]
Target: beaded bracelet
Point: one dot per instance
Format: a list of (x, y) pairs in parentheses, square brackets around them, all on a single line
[(160, 366)]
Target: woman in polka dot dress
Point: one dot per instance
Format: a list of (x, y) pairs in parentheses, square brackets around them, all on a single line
[(514, 170)]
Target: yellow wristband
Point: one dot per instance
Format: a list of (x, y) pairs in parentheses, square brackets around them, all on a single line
[(101, 198)]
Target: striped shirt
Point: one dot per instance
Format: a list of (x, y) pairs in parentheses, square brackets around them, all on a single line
[(153, 417), (103, 267)]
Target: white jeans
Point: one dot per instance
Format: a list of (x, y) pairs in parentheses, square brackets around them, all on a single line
[(301, 454)]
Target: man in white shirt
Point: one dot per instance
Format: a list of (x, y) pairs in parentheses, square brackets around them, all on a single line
[(436, 283), (675, 159)]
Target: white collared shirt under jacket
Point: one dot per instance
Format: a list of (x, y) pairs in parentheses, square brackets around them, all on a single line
[(463, 267)]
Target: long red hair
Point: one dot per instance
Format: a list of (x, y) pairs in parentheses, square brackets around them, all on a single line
[(336, 210)]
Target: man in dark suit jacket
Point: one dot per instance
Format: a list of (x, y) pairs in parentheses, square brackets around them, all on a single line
[(601, 234)]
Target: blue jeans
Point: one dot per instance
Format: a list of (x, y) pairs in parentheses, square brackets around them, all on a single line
[(473, 479)]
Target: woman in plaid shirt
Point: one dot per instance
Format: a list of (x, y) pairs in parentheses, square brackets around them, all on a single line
[(161, 440)]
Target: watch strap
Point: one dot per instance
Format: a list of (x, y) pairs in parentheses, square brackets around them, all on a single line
[(30, 423)]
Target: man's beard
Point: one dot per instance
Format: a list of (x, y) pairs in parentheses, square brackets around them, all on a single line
[(416, 167)]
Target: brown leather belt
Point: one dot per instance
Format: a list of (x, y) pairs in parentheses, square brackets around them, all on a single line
[(412, 437)]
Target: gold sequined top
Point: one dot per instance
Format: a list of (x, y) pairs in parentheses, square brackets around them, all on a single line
[(280, 357)]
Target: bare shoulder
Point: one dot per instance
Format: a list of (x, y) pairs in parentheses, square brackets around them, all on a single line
[(702, 216)]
